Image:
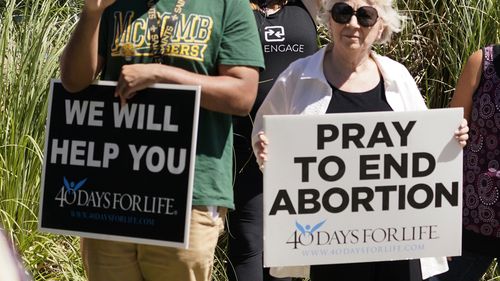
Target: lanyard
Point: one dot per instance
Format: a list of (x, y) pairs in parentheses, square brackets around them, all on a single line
[(154, 26)]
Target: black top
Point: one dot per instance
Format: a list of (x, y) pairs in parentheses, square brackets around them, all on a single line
[(472, 241), (496, 58), (285, 36), (372, 100)]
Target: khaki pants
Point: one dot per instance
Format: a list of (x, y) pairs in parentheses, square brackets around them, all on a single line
[(118, 261)]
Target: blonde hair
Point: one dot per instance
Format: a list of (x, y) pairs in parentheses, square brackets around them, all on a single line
[(392, 20)]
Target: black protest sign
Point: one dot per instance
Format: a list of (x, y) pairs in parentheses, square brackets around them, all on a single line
[(120, 172)]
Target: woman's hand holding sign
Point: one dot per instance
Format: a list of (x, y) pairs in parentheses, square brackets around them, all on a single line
[(261, 146), (461, 134)]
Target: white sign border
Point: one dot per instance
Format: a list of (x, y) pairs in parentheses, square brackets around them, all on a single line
[(185, 244)]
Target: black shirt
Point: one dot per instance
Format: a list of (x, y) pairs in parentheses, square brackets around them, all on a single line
[(372, 100), (287, 35)]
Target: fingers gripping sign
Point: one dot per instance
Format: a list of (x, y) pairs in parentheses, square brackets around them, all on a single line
[(261, 145), (133, 78), (461, 134)]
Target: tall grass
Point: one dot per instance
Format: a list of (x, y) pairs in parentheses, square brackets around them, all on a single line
[(437, 39), (32, 35)]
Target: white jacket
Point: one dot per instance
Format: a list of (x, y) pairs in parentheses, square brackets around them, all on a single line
[(303, 89)]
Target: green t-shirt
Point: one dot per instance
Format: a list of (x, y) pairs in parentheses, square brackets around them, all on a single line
[(206, 35)]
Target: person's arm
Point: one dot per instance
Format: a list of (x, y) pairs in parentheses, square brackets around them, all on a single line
[(467, 83), (80, 62), (233, 91)]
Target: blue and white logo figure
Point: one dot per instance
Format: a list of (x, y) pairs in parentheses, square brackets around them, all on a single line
[(72, 186), (307, 228), (70, 192)]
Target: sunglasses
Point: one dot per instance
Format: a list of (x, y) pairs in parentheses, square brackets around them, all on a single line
[(342, 13)]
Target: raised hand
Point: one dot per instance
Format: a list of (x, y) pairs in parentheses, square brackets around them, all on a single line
[(97, 5)]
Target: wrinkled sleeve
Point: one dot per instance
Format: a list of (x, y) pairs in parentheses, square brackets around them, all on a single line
[(240, 43), (415, 97), (274, 103)]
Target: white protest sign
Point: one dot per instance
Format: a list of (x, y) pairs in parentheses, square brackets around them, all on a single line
[(359, 187)]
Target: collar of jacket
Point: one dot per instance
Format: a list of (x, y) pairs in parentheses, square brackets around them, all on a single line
[(314, 67)]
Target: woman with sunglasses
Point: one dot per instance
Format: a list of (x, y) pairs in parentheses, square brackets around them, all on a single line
[(347, 76), (287, 32)]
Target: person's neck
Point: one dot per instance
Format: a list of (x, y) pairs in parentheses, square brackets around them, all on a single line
[(350, 71), (345, 62), (272, 7)]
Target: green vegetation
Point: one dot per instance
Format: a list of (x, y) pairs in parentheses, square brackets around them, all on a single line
[(437, 39), (32, 35)]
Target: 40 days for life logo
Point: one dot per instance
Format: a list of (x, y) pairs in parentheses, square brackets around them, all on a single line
[(72, 193), (307, 235)]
